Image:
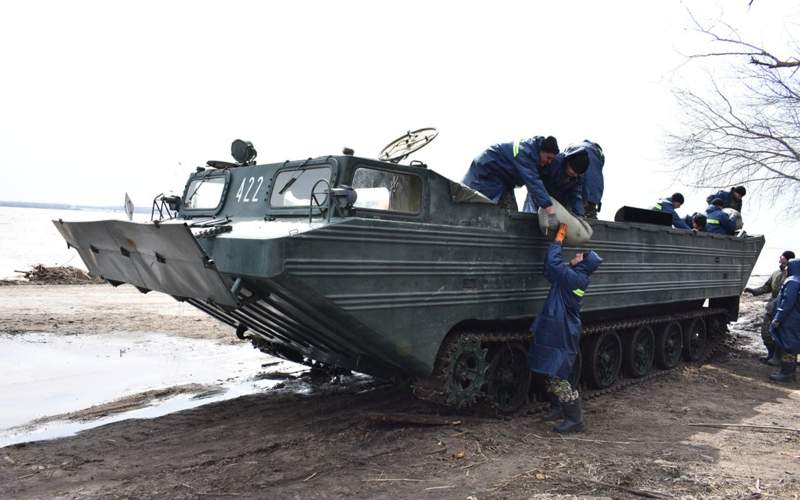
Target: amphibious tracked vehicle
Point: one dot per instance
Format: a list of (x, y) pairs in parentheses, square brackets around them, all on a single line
[(396, 271)]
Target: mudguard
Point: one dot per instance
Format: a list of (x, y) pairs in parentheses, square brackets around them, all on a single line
[(161, 257)]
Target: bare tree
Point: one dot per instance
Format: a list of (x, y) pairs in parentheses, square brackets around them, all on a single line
[(744, 130)]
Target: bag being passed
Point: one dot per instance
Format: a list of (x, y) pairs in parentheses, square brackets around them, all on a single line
[(578, 230)]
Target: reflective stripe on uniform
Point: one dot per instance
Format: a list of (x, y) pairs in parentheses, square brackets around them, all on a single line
[(515, 148), (657, 207), (712, 221), (579, 292)]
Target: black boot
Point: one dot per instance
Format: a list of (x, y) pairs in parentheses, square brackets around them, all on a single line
[(556, 411), (573, 418), (787, 372), (775, 359)]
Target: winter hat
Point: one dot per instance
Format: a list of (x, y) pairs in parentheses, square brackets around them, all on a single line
[(788, 254), (740, 189), (579, 161), (677, 198), (549, 145), (718, 202)]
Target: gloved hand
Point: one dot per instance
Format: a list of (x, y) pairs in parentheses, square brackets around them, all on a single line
[(748, 290), (552, 222), (562, 233)]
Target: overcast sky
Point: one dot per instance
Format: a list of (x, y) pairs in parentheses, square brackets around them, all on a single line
[(100, 98)]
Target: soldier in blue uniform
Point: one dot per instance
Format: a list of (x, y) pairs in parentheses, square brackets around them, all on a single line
[(717, 221), (730, 199), (557, 329), (498, 170), (563, 181), (785, 328), (669, 205)]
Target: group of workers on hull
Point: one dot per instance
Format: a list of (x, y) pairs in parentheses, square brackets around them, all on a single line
[(574, 178), (715, 220)]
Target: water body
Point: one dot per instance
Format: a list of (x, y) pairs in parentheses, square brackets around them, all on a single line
[(49, 374), (28, 237)]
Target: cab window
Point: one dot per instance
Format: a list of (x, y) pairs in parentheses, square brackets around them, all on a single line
[(389, 191), (292, 188), (205, 193)]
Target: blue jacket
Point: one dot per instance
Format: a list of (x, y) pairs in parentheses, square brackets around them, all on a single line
[(665, 205), (787, 314), (503, 167), (557, 329), (593, 178), (567, 190), (718, 221), (727, 199)]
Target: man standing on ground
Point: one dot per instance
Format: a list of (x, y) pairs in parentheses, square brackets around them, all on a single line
[(557, 329), (785, 328), (772, 286), (498, 170)]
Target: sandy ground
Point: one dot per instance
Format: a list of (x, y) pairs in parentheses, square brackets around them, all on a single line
[(640, 442), (87, 309)]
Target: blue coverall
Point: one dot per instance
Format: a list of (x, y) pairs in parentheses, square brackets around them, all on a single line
[(502, 167), (718, 222), (567, 190), (785, 328), (557, 329), (665, 205)]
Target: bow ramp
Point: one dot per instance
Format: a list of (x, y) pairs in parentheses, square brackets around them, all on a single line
[(161, 257)]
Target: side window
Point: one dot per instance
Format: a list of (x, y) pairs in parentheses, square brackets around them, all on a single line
[(292, 188), (390, 191)]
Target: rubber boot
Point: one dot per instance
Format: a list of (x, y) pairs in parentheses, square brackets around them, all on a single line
[(770, 354), (556, 411), (573, 418), (787, 372)]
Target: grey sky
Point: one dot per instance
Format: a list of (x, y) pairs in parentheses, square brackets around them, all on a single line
[(99, 98)]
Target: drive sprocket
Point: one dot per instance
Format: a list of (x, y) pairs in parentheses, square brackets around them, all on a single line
[(466, 379)]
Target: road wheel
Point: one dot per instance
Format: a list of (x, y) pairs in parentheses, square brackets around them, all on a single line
[(669, 345), (639, 351), (695, 336), (509, 378), (602, 360)]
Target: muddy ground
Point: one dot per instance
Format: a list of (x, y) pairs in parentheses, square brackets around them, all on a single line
[(639, 442)]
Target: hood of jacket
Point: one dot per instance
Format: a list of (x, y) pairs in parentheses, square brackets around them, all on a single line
[(794, 267), (591, 261)]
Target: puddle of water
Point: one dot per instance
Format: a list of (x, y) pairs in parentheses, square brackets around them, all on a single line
[(46, 374)]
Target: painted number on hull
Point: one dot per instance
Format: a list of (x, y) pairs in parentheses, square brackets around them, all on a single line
[(249, 182)]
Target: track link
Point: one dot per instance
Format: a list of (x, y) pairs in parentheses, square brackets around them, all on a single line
[(434, 388)]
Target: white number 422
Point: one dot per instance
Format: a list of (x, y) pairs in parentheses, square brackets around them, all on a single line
[(249, 181)]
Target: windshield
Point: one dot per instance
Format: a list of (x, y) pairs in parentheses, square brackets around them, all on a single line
[(292, 188), (205, 193)]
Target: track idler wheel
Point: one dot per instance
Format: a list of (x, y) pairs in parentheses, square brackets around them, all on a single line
[(509, 378), (639, 349), (695, 337), (669, 345), (602, 360)]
